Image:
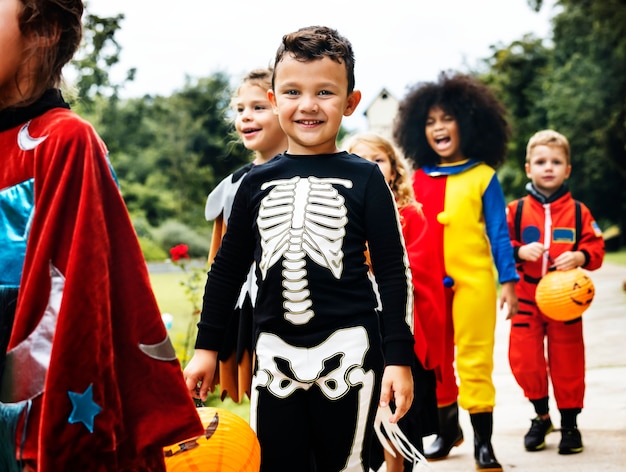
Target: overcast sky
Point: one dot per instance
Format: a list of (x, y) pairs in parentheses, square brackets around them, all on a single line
[(396, 42)]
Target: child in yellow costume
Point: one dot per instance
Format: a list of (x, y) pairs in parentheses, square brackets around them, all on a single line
[(455, 131)]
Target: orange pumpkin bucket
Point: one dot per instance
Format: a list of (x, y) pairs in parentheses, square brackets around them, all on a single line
[(228, 445), (564, 295)]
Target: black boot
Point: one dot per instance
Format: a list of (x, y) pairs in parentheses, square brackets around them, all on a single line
[(483, 451), (450, 433)]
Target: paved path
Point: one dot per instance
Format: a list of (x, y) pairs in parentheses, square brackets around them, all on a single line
[(602, 421)]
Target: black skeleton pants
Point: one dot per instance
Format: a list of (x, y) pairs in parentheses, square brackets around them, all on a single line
[(313, 408)]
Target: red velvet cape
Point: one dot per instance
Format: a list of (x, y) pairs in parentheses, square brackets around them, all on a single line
[(81, 227)]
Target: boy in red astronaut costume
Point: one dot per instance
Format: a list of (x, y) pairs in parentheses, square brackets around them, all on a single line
[(550, 230)]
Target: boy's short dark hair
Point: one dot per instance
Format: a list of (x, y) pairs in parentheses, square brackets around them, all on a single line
[(316, 42)]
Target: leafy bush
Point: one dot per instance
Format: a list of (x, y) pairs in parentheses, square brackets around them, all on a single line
[(142, 227), (152, 252), (172, 233)]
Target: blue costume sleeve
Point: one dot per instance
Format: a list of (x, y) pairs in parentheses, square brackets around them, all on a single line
[(497, 231)]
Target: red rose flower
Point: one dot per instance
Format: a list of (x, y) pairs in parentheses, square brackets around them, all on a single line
[(179, 252)]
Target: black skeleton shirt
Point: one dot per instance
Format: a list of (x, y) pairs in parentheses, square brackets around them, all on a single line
[(305, 221)]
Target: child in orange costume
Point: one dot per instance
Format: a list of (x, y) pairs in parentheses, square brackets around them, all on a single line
[(421, 419), (550, 230)]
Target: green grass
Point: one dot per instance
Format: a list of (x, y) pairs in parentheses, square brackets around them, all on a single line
[(171, 298), (617, 257)]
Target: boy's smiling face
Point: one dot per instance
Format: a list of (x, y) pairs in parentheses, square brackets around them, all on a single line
[(548, 167), (310, 99)]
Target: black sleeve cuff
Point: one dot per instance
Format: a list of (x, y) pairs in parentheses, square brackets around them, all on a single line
[(516, 254), (399, 353)]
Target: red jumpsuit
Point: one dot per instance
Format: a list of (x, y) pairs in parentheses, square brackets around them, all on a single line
[(561, 224)]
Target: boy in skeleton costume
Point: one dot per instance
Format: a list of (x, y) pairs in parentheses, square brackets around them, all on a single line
[(325, 359)]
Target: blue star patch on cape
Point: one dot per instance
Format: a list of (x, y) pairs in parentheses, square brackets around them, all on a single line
[(84, 408)]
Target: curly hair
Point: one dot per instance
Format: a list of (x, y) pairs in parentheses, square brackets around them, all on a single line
[(316, 42), (57, 30), (482, 119), (401, 186)]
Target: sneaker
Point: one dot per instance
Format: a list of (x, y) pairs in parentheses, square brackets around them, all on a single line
[(571, 441), (535, 439)]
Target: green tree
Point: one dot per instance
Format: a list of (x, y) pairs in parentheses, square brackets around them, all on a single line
[(99, 52), (575, 85), (518, 74), (193, 143), (587, 100), (168, 152)]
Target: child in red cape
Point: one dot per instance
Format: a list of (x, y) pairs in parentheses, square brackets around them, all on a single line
[(90, 378)]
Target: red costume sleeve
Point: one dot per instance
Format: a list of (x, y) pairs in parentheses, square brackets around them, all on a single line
[(591, 240)]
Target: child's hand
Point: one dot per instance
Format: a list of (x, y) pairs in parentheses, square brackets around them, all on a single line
[(531, 252), (508, 296), (199, 373), (397, 384), (569, 260)]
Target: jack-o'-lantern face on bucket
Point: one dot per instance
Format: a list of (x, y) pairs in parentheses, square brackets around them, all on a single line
[(565, 295), (583, 292), (228, 445)]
